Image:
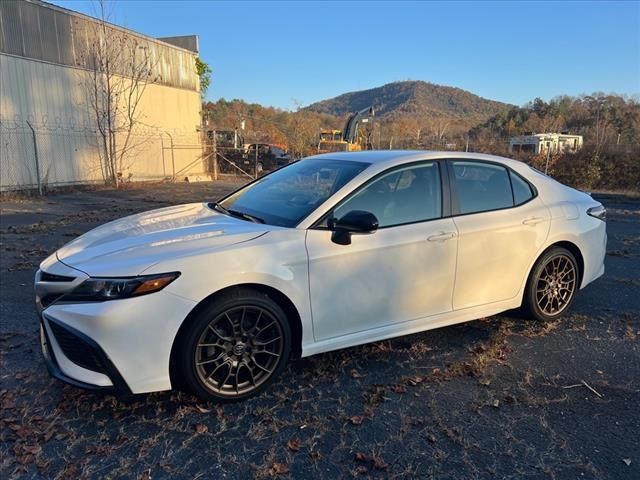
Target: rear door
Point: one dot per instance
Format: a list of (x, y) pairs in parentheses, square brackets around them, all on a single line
[(501, 225)]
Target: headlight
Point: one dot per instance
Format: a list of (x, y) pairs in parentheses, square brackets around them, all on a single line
[(102, 289)]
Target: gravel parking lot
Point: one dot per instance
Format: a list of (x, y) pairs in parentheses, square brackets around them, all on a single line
[(497, 398)]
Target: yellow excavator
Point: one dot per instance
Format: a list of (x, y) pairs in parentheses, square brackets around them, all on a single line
[(345, 140)]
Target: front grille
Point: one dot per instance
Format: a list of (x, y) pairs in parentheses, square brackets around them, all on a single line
[(50, 277), (49, 299), (76, 349)]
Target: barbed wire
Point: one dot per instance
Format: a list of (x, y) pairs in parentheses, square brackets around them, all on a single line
[(43, 125)]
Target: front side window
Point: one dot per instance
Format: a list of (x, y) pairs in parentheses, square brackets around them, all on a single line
[(287, 196), (481, 187), (406, 195)]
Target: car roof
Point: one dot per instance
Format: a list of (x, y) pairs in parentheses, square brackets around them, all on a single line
[(397, 157)]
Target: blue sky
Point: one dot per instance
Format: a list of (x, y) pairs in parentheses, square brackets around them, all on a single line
[(280, 53)]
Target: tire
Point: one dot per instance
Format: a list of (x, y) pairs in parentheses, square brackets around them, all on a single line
[(235, 346), (552, 284)]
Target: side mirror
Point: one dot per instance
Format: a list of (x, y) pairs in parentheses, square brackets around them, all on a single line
[(355, 221)]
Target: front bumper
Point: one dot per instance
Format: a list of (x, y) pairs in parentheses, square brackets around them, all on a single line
[(119, 345), (117, 383)]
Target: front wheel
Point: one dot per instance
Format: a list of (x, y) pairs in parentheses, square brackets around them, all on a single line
[(235, 347), (552, 284)]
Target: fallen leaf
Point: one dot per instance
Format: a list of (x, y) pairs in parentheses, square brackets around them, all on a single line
[(278, 469), (379, 463), (202, 409), (496, 403), (32, 449), (201, 428), (356, 374), (25, 459), (356, 420), (362, 457), (293, 444), (627, 461), (398, 388), (70, 470)]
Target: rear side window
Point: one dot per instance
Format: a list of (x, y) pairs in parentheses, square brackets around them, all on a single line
[(521, 189), (481, 187)]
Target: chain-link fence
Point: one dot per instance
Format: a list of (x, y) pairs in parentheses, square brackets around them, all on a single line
[(39, 155), (16, 145)]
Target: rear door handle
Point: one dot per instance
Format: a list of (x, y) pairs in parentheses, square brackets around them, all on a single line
[(441, 237), (532, 221)]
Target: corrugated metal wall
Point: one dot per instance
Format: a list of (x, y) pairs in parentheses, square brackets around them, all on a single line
[(42, 85), (42, 32)]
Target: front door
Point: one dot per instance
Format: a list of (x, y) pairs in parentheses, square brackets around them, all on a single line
[(404, 271)]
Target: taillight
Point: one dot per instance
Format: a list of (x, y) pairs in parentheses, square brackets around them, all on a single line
[(598, 212)]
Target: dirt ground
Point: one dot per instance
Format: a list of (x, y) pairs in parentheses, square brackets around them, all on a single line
[(501, 397)]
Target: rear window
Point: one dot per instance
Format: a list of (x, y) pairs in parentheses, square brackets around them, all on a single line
[(481, 187)]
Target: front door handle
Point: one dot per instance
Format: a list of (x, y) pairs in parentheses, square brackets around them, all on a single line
[(532, 221), (441, 237)]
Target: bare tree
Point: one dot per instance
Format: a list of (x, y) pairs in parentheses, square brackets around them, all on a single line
[(120, 67), (440, 127)]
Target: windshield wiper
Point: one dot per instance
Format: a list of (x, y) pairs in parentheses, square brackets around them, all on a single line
[(235, 213), (219, 207), (245, 216)]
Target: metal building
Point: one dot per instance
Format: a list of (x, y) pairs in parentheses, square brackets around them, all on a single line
[(546, 143), (48, 130)]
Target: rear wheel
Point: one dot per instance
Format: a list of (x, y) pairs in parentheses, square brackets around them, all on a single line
[(235, 347), (552, 284)]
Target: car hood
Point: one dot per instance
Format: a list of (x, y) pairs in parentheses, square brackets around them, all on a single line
[(128, 246)]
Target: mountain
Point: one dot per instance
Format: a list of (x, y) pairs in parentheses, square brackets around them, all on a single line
[(415, 99)]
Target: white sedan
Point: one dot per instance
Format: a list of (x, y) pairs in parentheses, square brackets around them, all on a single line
[(328, 252)]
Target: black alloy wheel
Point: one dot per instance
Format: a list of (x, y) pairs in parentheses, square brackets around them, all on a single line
[(236, 346), (552, 284)]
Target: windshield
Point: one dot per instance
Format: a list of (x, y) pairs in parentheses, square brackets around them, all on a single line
[(287, 196)]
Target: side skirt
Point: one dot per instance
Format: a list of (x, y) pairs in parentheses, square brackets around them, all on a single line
[(409, 327)]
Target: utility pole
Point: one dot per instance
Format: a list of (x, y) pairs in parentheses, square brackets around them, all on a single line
[(35, 154), (546, 167)]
